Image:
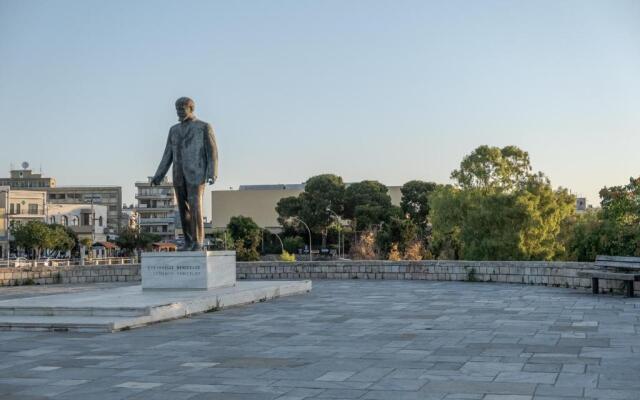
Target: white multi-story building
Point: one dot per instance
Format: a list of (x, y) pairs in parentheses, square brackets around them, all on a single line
[(86, 220), (156, 209)]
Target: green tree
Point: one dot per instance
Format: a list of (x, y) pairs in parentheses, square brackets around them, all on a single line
[(322, 192), (130, 239), (622, 203), (32, 236), (398, 233), (36, 237), (504, 169), (415, 201), (61, 239), (367, 203), (499, 210), (246, 235), (293, 243), (288, 207), (612, 230)]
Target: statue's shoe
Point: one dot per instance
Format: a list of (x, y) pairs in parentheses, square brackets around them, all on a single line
[(196, 247)]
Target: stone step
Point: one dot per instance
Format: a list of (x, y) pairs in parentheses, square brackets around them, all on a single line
[(60, 323), (56, 312), (75, 311)]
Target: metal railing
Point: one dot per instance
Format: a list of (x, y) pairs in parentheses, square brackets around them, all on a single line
[(53, 263)]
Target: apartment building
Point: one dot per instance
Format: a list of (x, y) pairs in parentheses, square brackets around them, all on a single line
[(109, 196), (156, 209), (4, 222)]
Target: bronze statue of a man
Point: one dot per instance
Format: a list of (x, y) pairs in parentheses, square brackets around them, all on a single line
[(191, 147)]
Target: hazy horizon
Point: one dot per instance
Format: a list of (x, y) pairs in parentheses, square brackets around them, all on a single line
[(391, 91)]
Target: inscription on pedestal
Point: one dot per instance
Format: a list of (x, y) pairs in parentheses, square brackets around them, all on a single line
[(171, 270), (188, 270)]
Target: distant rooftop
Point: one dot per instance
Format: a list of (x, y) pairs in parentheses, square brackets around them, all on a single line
[(278, 186)]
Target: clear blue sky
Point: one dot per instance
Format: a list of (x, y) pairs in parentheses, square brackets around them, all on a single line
[(386, 90)]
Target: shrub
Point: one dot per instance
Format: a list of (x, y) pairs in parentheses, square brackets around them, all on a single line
[(364, 249), (415, 251), (287, 257), (394, 254)]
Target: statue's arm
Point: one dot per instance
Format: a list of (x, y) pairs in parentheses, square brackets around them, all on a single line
[(167, 159), (211, 153)]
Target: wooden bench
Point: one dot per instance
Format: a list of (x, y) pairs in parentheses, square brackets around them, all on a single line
[(626, 269)]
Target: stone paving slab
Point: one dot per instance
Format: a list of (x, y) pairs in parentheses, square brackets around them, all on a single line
[(352, 340)]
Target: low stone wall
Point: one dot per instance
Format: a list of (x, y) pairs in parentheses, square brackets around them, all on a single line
[(70, 274), (562, 274)]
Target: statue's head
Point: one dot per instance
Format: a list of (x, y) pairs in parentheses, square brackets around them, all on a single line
[(184, 108)]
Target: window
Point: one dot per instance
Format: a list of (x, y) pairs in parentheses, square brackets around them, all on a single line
[(33, 209), (100, 221), (75, 220), (52, 220), (17, 208), (11, 208), (65, 220)]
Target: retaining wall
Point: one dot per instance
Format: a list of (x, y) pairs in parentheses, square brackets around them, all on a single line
[(562, 274), (70, 274)]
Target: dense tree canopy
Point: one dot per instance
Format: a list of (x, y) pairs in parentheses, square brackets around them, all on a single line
[(415, 201), (130, 239), (500, 210), (247, 236), (321, 194), (622, 203), (367, 203), (504, 169), (36, 236), (612, 230), (497, 209)]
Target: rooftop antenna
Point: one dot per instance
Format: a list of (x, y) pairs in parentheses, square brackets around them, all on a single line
[(25, 165), (40, 168)]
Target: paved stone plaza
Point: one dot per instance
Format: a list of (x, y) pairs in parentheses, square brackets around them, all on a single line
[(387, 340)]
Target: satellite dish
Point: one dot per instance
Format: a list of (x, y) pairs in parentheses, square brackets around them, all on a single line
[(25, 165)]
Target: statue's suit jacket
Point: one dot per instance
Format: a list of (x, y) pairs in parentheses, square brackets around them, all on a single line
[(191, 146)]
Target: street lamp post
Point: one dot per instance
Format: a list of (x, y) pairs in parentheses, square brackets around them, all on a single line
[(308, 230), (339, 230), (278, 236)]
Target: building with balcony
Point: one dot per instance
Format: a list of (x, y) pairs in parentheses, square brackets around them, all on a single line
[(27, 205), (109, 196), (4, 222), (85, 220), (156, 209)]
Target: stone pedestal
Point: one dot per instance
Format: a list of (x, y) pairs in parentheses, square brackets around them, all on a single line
[(188, 270)]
